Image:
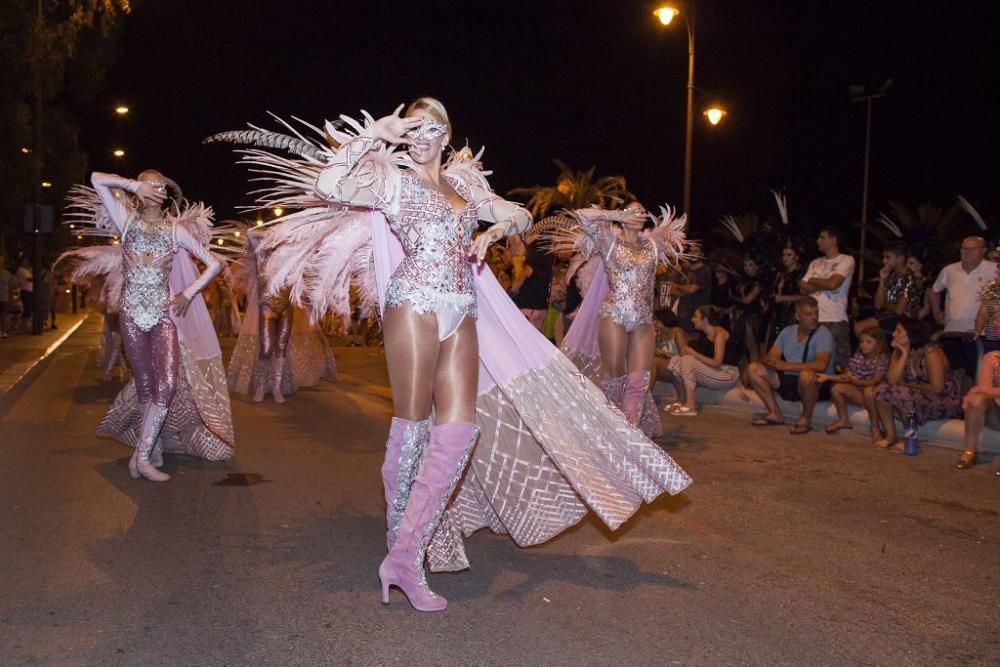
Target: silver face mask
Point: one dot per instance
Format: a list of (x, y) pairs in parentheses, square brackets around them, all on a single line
[(427, 131)]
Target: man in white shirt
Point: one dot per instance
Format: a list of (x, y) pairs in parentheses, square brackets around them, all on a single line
[(963, 281), (828, 280)]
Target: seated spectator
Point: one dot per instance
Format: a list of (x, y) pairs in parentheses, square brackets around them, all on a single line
[(982, 408), (708, 360), (892, 294), (866, 370), (918, 383), (791, 367), (987, 317)]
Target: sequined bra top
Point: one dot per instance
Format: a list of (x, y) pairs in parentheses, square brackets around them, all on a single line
[(631, 272), (436, 272), (147, 256)]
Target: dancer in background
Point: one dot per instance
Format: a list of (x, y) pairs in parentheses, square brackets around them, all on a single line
[(279, 349), (177, 400), (455, 345), (612, 339)]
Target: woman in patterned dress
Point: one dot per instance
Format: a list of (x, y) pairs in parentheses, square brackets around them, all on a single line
[(918, 382)]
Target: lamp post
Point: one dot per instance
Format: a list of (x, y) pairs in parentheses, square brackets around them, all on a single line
[(861, 94), (666, 14)]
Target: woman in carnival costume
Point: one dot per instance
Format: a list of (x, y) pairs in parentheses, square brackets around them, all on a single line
[(612, 339), (279, 349), (482, 401), (177, 400)]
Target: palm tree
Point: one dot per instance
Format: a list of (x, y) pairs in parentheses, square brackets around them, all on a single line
[(573, 190)]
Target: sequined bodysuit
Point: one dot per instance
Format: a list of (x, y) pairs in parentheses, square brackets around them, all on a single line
[(147, 256), (436, 273), (631, 270)]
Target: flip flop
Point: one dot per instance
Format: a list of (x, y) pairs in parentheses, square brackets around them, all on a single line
[(800, 429), (765, 421), (837, 427)]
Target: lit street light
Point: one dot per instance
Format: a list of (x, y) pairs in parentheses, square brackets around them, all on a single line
[(119, 152), (666, 14), (278, 211), (25, 150), (121, 110), (715, 114), (46, 184)]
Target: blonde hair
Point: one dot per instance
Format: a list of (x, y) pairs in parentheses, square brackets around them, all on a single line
[(434, 107)]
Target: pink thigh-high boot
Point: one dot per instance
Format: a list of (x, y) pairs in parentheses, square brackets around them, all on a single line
[(614, 389), (634, 395), (444, 460), (403, 451)]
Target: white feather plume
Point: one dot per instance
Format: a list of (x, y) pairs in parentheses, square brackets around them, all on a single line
[(973, 213), (729, 222), (889, 224), (782, 201)]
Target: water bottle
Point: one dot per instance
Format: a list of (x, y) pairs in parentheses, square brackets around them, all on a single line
[(910, 435)]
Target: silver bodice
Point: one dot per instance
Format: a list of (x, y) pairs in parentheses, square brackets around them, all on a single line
[(147, 256), (436, 272), (631, 270)]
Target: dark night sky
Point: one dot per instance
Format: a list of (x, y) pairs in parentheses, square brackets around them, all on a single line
[(592, 83)]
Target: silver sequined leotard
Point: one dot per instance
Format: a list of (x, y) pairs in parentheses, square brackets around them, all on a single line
[(435, 274), (631, 271), (147, 256)]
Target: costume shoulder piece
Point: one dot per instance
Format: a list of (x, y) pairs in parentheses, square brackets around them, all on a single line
[(669, 234)]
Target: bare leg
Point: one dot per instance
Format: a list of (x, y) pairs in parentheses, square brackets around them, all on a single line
[(267, 328), (842, 394), (873, 418), (975, 420), (613, 342), (885, 415), (809, 393), (764, 381)]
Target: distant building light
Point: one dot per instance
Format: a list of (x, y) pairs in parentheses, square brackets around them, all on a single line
[(25, 150), (46, 184)]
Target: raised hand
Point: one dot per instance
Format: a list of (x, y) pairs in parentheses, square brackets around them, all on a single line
[(150, 196), (393, 128)]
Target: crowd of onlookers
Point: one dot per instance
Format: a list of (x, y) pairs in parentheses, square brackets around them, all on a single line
[(909, 347)]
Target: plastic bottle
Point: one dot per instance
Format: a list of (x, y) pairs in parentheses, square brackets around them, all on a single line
[(910, 447)]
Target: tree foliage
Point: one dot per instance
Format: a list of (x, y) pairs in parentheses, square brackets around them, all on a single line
[(575, 189)]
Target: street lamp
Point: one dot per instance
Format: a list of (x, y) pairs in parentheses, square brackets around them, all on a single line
[(666, 14), (118, 153), (278, 211), (46, 184), (121, 110), (715, 114), (862, 94)]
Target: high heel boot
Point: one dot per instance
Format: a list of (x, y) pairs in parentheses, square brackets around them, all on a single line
[(444, 460), (403, 450), (278, 377), (634, 395), (152, 422)]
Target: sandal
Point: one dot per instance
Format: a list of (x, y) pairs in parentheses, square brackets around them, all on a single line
[(800, 428), (883, 443), (767, 421), (837, 426), (684, 411), (969, 458)]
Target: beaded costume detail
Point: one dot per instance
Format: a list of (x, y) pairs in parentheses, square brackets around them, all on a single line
[(631, 276), (147, 256), (435, 273)]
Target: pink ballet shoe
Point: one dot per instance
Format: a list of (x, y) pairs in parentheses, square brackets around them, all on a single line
[(444, 460), (403, 449)]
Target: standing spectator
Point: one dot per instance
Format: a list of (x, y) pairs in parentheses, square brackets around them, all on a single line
[(918, 382), (786, 291), (964, 282), (26, 285), (693, 290), (5, 280), (800, 353), (45, 292), (892, 294), (865, 371), (981, 409), (828, 280), (722, 290), (748, 310), (918, 304)]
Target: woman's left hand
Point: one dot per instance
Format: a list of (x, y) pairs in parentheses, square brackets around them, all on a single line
[(687, 349), (482, 242), (180, 304)]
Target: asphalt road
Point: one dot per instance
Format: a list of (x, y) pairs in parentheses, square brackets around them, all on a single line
[(811, 550)]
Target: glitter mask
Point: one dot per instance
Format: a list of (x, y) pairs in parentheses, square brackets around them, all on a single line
[(427, 131)]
